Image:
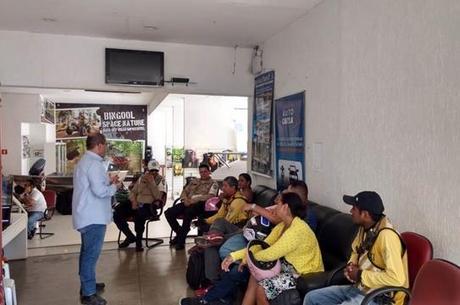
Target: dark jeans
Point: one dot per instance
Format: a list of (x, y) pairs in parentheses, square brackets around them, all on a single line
[(123, 212), (92, 239), (188, 213), (225, 288), (32, 218), (212, 259)]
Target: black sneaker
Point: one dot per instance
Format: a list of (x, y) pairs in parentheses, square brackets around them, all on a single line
[(126, 243), (93, 299), (173, 242), (139, 248), (192, 301), (99, 288)]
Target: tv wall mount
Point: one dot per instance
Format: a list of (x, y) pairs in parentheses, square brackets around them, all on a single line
[(180, 80)]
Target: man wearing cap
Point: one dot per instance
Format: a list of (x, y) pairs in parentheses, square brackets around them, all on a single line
[(149, 190), (378, 256)]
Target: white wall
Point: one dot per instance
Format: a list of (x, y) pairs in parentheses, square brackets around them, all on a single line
[(382, 89), (45, 60), (199, 122), (210, 122), (16, 108), (166, 127)]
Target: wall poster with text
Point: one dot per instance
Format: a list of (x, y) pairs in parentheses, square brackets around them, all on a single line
[(290, 139), (125, 127), (261, 162)]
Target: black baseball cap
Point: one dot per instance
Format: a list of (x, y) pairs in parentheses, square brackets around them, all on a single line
[(367, 200)]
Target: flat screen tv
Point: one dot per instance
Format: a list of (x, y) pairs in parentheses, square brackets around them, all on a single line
[(131, 67)]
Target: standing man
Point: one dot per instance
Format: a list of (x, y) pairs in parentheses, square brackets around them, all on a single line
[(378, 257), (192, 202), (91, 212)]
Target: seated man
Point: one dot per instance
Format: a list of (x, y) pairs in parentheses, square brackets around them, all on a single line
[(149, 189), (231, 215), (192, 202), (35, 204), (230, 218), (378, 256)]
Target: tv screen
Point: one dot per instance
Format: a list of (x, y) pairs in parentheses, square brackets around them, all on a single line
[(131, 67)]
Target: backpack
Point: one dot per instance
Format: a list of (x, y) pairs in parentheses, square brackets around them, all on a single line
[(195, 275)]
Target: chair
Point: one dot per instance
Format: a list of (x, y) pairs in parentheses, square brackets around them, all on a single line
[(177, 201), (419, 252), (50, 198), (437, 283), (156, 212), (155, 217)]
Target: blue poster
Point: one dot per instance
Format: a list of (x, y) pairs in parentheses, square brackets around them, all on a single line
[(290, 139), (261, 162)]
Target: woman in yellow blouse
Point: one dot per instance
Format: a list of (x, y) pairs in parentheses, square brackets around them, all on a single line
[(293, 242)]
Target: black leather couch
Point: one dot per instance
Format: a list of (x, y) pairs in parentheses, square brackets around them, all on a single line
[(264, 196), (335, 232)]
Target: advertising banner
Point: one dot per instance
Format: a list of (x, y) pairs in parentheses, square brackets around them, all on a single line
[(114, 121), (290, 139), (125, 127), (262, 124), (47, 111)]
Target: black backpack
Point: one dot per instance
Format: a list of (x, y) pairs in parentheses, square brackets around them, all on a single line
[(195, 275)]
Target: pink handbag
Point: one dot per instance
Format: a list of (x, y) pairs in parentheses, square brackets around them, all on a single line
[(261, 270), (212, 204)]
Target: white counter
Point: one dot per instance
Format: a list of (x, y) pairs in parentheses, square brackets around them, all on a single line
[(14, 237)]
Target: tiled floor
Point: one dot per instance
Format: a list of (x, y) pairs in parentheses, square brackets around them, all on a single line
[(156, 277), (49, 276)]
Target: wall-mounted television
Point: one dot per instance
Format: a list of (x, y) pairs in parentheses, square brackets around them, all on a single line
[(132, 67)]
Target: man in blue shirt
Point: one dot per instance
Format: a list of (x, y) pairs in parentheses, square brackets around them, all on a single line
[(91, 212)]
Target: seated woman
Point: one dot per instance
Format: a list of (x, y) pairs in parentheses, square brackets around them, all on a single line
[(293, 242), (35, 204), (244, 185)]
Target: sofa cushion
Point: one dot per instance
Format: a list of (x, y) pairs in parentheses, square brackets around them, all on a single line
[(264, 196), (335, 237), (322, 213)]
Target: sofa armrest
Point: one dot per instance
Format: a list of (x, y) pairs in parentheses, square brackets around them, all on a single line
[(316, 280), (312, 281), (337, 277)]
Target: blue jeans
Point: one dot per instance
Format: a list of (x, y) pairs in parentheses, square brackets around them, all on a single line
[(335, 295), (32, 218), (234, 243), (224, 289), (92, 239)]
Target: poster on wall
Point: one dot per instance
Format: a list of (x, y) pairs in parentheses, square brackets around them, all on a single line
[(47, 111), (125, 127), (262, 124), (290, 139), (114, 121)]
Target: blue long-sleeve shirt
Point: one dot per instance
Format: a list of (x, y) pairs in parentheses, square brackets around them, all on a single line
[(91, 193)]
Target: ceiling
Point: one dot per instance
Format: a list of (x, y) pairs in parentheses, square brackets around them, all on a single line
[(245, 23)]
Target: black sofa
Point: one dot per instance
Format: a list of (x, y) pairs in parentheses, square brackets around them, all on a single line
[(264, 196), (335, 232)]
